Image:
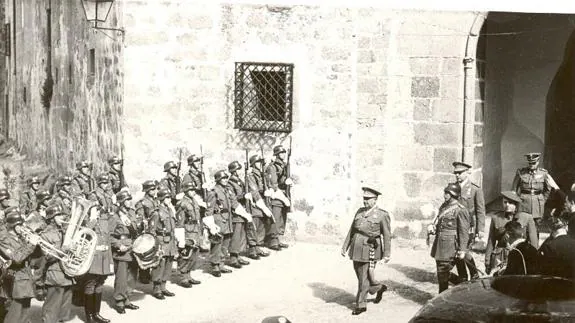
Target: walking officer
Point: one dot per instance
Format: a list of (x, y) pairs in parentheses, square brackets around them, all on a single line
[(238, 241), (124, 230), (368, 241), (451, 228), (262, 215), (188, 232), (279, 182), (171, 181), (83, 182), (533, 185), (116, 174), (162, 226), (28, 198)]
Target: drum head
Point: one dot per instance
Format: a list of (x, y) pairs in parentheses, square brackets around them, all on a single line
[(144, 243)]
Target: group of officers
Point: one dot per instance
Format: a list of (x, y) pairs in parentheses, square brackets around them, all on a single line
[(512, 238), (237, 217)]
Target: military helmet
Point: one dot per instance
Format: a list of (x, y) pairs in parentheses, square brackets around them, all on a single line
[(169, 165), (103, 178), (13, 215), (219, 175), (83, 163), (163, 193), (123, 196), (4, 194), (278, 150), (255, 158), (453, 189), (115, 160), (54, 210), (234, 166), (42, 196), (65, 180), (149, 185), (193, 158), (33, 180), (187, 186)]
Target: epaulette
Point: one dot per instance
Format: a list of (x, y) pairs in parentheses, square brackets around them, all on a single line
[(543, 170)]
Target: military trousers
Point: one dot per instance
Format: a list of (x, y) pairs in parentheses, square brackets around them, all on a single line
[(280, 215), (93, 284), (238, 239), (364, 285), (444, 274), (58, 304), (271, 232), (467, 263), (185, 266), (161, 274), (18, 311), (219, 249), (123, 278), (256, 236)]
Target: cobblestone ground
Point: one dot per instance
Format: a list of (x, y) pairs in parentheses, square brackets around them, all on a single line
[(306, 283)]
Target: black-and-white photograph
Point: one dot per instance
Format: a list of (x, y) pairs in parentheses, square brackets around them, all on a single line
[(192, 161)]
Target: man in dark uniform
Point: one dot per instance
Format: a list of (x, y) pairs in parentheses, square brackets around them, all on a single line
[(28, 198), (525, 219), (116, 174), (195, 176), (221, 206), (522, 256), (472, 198), (148, 205), (496, 252), (124, 230), (103, 194), (19, 282), (162, 226), (83, 182), (58, 303), (570, 212), (171, 181), (366, 247), (262, 215), (35, 218), (63, 195), (279, 182), (188, 233), (533, 185), (238, 241), (451, 234), (556, 254)]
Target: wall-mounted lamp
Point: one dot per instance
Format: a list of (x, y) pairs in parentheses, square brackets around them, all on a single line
[(97, 11)]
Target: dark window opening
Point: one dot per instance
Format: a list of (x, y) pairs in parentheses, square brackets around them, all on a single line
[(263, 97)]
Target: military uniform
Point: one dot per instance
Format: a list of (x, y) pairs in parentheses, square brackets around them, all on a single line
[(256, 237), (277, 176), (368, 241), (529, 227), (28, 201), (37, 223), (238, 240), (452, 233), (83, 185), (63, 199), (117, 179), (145, 210), (104, 199), (188, 218), (171, 183), (194, 176), (495, 251), (58, 302), (221, 202), (124, 230), (162, 226)]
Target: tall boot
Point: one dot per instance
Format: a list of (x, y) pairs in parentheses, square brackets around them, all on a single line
[(97, 303), (88, 307)]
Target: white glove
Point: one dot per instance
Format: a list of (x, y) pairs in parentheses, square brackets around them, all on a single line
[(211, 224), (430, 228), (179, 196), (180, 234), (262, 206), (279, 195), (248, 197), (215, 229), (205, 185), (289, 182), (94, 213), (114, 199), (125, 188), (200, 201), (269, 192), (243, 213)]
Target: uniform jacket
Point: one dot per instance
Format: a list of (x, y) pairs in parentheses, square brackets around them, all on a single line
[(169, 182), (162, 226), (83, 184), (19, 282), (188, 217), (117, 179), (528, 224), (104, 199), (145, 210), (36, 220), (54, 274), (63, 199), (256, 189), (195, 177), (494, 239), (522, 259), (276, 177), (557, 257), (103, 254), (472, 198), (237, 188), (451, 231), (123, 233), (537, 181), (28, 201), (367, 230), (221, 202)]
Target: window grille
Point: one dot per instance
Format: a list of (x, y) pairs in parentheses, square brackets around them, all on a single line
[(263, 96)]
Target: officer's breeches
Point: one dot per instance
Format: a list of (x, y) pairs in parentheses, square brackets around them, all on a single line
[(58, 304), (163, 271), (443, 273), (361, 271), (122, 273), (463, 264)]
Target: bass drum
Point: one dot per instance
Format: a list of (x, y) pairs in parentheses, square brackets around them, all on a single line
[(147, 251)]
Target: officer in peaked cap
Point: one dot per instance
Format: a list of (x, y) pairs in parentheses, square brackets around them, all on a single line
[(368, 241), (472, 198), (534, 185)]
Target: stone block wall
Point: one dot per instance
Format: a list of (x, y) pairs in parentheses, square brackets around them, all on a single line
[(81, 120)]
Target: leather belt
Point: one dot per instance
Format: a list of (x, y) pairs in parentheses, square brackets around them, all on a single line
[(532, 192), (102, 248), (162, 234), (446, 232), (192, 222), (366, 235)]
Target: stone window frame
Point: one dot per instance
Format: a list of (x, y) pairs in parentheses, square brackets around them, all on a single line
[(261, 104)]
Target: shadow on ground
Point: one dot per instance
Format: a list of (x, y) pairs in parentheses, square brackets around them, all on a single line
[(416, 274), (330, 294), (408, 292)]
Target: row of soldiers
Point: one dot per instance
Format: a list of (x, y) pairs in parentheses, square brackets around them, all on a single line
[(235, 217)]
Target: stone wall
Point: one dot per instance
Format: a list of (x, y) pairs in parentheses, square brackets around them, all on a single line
[(75, 113), (377, 100)]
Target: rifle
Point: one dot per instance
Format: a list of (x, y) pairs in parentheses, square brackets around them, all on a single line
[(178, 180), (121, 172), (247, 188), (288, 174), (267, 199), (202, 175)]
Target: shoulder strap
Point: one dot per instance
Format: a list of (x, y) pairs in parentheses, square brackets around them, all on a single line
[(523, 260)]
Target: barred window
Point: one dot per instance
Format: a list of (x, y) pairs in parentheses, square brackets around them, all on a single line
[(263, 96)]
